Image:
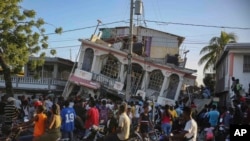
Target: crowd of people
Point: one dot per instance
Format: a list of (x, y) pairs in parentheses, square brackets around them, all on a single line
[(52, 120)]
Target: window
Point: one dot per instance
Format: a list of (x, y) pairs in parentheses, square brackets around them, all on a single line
[(156, 80), (173, 85), (246, 63), (110, 67), (88, 59), (136, 77)]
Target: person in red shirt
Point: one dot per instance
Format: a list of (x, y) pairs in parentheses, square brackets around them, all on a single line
[(92, 117)]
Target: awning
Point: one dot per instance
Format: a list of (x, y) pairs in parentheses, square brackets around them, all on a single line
[(83, 82)]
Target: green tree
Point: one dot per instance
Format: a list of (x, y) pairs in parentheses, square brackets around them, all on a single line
[(212, 52), (209, 82), (21, 35)]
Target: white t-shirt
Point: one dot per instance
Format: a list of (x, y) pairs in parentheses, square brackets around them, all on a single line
[(137, 113), (191, 128), (18, 103), (48, 104)]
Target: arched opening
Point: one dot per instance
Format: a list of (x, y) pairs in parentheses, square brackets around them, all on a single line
[(136, 77), (88, 59), (155, 80), (173, 85), (110, 66)]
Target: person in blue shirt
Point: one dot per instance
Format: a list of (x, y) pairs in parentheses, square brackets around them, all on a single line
[(213, 116), (68, 121), (206, 93)]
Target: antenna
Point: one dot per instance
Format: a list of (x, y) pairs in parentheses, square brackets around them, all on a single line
[(99, 21)]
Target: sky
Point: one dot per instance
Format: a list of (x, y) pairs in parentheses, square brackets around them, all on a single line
[(79, 17)]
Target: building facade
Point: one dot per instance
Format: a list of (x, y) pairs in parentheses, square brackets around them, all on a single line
[(102, 68), (157, 44), (234, 62), (52, 76)]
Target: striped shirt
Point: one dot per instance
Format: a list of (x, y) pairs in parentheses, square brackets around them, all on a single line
[(10, 112)]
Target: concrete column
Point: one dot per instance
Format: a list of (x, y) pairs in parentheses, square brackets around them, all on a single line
[(93, 64), (55, 70), (164, 85), (121, 73), (178, 89), (25, 70), (145, 81)]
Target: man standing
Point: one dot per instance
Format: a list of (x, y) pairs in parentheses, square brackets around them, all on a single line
[(68, 121), (123, 126), (92, 117), (10, 111), (190, 130), (213, 116)]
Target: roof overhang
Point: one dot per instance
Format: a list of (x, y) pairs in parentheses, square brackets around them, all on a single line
[(83, 82)]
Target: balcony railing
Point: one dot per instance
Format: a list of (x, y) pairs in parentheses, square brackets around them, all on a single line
[(104, 80), (31, 80)]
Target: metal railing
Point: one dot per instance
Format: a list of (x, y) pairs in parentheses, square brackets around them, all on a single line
[(31, 80), (104, 80)]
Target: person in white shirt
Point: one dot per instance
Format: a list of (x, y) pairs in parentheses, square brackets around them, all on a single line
[(191, 129), (48, 103), (18, 103)]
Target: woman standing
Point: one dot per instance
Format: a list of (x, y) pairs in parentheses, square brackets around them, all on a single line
[(145, 122), (53, 132), (166, 121)]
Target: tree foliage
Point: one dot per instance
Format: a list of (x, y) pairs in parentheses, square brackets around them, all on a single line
[(209, 82), (212, 52), (21, 35)]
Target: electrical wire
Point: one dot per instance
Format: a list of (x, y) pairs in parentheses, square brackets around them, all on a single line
[(88, 27), (200, 25)]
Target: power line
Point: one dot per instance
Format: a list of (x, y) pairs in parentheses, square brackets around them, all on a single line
[(93, 26), (201, 25), (157, 22), (64, 46)]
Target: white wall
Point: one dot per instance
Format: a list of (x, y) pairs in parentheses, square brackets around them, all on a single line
[(238, 71)]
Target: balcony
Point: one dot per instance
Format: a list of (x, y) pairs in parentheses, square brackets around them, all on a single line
[(32, 83), (105, 81)]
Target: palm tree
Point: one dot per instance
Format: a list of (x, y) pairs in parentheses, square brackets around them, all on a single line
[(215, 48)]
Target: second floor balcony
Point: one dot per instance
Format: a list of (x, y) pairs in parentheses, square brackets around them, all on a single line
[(26, 83)]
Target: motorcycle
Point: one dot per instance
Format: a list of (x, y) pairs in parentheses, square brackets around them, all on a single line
[(95, 132)]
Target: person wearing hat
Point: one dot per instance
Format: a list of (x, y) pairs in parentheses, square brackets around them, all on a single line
[(10, 111)]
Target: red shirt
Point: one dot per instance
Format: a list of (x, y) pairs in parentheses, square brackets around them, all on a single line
[(165, 119), (93, 117)]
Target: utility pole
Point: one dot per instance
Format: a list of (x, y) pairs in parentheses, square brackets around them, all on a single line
[(128, 86)]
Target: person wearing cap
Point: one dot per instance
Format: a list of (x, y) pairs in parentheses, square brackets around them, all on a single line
[(10, 111)]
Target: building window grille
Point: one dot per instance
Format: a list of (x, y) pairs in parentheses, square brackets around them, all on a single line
[(136, 77), (246, 63), (88, 59), (110, 67), (156, 80), (173, 85)]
